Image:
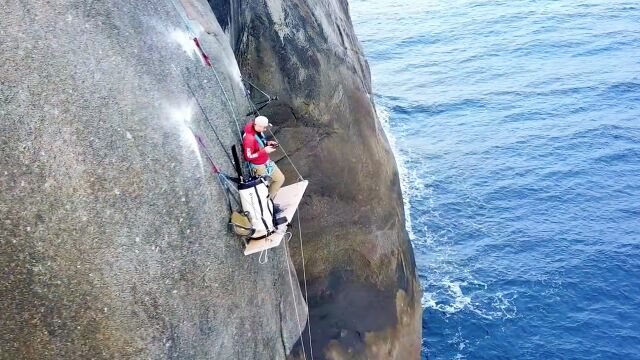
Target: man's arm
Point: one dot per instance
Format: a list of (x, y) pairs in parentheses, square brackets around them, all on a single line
[(250, 152)]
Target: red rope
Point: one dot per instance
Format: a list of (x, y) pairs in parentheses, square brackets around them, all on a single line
[(204, 55)]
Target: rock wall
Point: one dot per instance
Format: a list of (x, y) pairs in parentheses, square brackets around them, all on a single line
[(112, 243), (364, 296)]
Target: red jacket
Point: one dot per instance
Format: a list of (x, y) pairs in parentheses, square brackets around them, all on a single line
[(251, 148)]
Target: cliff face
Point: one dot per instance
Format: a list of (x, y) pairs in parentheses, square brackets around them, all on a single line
[(112, 243), (364, 297)]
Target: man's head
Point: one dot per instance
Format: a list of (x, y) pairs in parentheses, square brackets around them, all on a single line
[(261, 123)]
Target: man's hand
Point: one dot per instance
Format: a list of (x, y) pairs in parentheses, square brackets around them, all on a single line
[(269, 149), (272, 143)]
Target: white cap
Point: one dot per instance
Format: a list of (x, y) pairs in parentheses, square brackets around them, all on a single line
[(262, 121)]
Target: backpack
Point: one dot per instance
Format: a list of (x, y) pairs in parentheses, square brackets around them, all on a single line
[(254, 197), (240, 224)]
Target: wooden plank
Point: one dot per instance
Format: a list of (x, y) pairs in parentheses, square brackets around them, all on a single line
[(288, 199)]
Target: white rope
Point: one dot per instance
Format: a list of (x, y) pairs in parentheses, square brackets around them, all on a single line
[(266, 254), (293, 293), (286, 155), (304, 274), (182, 16), (234, 115), (257, 88)]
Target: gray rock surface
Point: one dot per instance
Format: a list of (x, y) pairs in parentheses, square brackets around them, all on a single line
[(113, 240)]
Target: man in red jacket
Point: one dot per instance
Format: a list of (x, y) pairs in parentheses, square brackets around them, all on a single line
[(256, 150)]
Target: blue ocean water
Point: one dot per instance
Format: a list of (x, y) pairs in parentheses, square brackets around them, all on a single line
[(516, 125)]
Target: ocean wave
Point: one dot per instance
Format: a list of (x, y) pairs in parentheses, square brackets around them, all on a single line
[(452, 292)]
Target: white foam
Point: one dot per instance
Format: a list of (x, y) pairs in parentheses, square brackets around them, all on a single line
[(460, 342), (447, 296), (406, 177), (452, 292)]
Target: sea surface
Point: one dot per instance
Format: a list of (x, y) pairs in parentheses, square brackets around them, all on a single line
[(516, 127)]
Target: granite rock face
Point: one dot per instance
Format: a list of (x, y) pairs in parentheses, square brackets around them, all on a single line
[(113, 238), (364, 298)]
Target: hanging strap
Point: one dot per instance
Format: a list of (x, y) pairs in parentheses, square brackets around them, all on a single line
[(260, 140), (228, 191), (265, 257), (269, 165)]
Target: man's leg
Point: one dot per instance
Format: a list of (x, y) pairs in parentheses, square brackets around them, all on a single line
[(277, 178)]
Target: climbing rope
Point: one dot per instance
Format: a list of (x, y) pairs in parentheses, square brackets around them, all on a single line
[(300, 178), (226, 182), (304, 274), (257, 88), (235, 117), (207, 61), (262, 103), (293, 293), (204, 113)]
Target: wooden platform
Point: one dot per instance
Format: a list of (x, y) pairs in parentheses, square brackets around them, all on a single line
[(288, 199)]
